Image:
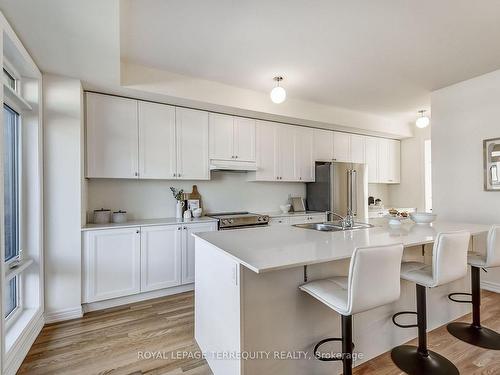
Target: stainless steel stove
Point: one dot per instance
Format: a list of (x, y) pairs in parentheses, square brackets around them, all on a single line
[(238, 220)]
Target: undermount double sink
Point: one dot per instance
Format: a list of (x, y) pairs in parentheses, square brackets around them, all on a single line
[(332, 227)]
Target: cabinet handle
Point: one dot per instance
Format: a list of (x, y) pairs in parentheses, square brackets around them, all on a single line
[(136, 174), (178, 228), (178, 175), (174, 175), (300, 178), (236, 156), (137, 231), (184, 228)]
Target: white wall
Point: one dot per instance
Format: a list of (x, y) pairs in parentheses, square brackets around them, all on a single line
[(411, 191), (62, 193), (226, 191), (463, 115)]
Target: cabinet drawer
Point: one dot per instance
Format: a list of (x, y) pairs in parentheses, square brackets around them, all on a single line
[(303, 219)]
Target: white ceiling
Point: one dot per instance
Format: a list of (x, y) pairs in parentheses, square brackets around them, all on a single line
[(383, 57)]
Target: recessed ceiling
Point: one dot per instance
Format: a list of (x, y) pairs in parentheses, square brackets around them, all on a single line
[(383, 57)]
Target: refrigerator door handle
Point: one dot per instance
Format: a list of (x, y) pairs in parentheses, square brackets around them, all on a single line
[(352, 204)]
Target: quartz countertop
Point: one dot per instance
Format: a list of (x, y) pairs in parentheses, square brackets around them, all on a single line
[(148, 222), (280, 247)]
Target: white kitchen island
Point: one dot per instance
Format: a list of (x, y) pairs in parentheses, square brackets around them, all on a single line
[(251, 318)]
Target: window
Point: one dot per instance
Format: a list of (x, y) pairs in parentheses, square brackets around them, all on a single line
[(9, 79), (428, 175), (11, 201)]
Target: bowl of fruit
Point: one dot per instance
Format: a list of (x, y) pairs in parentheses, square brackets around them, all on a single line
[(395, 217)]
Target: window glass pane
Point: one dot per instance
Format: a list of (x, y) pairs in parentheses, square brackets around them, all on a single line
[(11, 183), (10, 301), (9, 79)]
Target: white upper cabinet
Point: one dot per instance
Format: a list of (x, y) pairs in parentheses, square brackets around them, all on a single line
[(267, 151), (357, 148), (244, 139), (304, 153), (232, 138), (221, 137), (160, 257), (323, 145), (192, 144), (157, 151), (394, 169), (286, 153), (371, 156), (341, 147), (387, 162), (112, 133)]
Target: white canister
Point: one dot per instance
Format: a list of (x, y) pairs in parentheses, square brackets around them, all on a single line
[(102, 216), (120, 217), (187, 214)]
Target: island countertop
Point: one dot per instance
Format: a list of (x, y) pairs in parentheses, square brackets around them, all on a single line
[(281, 247)]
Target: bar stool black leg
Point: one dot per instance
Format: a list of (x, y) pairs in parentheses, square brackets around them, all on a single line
[(474, 333), (419, 360), (347, 344)]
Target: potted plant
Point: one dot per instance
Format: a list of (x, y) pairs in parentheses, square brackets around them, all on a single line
[(179, 196)]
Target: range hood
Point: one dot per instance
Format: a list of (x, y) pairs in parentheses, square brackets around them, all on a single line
[(232, 165)]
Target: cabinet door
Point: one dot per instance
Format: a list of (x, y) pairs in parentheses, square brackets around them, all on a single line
[(371, 156), (394, 162), (157, 154), (160, 257), (192, 144), (286, 146), (323, 145), (357, 148), (188, 251), (221, 137), (304, 162), (341, 143), (267, 151), (112, 263), (383, 160), (244, 139), (112, 136)]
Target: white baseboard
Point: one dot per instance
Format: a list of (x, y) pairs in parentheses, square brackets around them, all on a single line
[(492, 287), (16, 354), (94, 306), (65, 314)]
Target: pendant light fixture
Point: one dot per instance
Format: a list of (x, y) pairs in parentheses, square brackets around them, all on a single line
[(422, 121), (278, 93)]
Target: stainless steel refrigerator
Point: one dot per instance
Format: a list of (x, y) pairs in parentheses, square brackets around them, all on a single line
[(338, 187)]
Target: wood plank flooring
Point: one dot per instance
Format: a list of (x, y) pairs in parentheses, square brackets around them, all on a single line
[(156, 338)]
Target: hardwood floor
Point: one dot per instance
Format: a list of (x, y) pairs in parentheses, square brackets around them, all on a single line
[(156, 338)]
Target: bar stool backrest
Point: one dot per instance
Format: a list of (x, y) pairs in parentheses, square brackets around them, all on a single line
[(493, 247), (374, 277), (449, 258)]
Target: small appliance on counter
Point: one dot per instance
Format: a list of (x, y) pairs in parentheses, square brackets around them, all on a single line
[(239, 220), (298, 204), (119, 217), (102, 216)]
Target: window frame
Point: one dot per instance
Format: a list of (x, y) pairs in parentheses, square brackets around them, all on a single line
[(14, 314)]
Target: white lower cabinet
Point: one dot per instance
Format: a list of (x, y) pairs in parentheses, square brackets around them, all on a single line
[(305, 219), (125, 261), (188, 248), (160, 257), (112, 261)]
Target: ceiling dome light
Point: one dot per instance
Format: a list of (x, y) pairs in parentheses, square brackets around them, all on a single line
[(423, 121), (278, 94)]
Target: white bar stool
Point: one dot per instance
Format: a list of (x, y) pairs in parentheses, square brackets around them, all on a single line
[(374, 280), (474, 333), (449, 263)]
